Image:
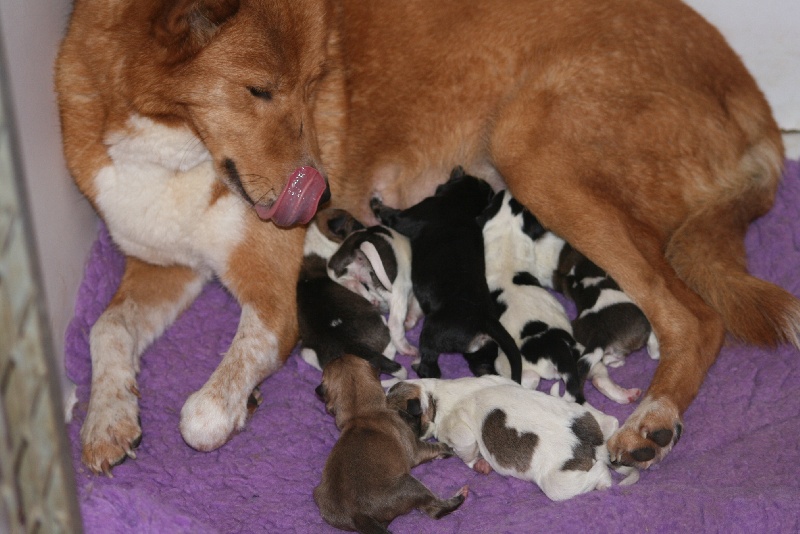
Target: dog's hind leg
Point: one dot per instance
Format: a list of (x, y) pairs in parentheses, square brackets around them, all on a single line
[(147, 301), (562, 194)]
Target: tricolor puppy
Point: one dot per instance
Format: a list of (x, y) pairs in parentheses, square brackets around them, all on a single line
[(448, 274), (609, 324), (607, 318), (531, 314), (493, 423), (333, 320), (367, 480), (375, 262)]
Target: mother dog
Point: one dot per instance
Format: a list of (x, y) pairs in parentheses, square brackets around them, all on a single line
[(628, 127)]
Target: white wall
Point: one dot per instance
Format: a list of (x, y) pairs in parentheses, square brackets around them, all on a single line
[(766, 34), (63, 222), (760, 30)]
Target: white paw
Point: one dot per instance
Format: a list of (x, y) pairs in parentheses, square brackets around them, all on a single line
[(208, 418), (111, 430)]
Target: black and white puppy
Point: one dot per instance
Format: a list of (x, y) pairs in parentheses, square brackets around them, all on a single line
[(524, 258), (535, 319), (607, 319), (375, 262), (448, 273), (333, 320), (494, 424)]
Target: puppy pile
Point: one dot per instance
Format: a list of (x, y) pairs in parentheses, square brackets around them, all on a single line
[(480, 268)]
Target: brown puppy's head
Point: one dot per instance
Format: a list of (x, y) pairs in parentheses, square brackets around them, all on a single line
[(350, 386), (416, 407), (244, 76)]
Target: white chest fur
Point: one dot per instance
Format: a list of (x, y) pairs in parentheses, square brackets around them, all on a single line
[(156, 198)]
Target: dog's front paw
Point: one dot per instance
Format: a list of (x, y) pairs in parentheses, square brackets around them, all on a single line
[(209, 417), (647, 436), (112, 429)]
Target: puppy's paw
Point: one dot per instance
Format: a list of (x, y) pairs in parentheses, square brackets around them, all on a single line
[(647, 436), (427, 370), (482, 466), (445, 451), (112, 429), (209, 417)]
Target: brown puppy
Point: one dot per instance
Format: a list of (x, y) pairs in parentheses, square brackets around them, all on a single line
[(367, 479), (628, 127)]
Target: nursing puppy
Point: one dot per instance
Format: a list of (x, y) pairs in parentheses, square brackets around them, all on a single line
[(519, 253), (188, 123), (375, 262), (448, 273), (367, 480), (534, 318), (607, 318), (493, 423), (332, 320)]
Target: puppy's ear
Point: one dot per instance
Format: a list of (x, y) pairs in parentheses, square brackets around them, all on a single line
[(184, 27), (457, 172), (343, 224)]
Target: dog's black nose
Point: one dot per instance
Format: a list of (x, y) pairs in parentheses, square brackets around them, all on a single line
[(320, 391)]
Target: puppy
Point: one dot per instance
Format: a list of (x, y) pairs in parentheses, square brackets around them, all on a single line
[(519, 253), (375, 262), (535, 319), (367, 480), (493, 423), (448, 272), (334, 321), (607, 318)]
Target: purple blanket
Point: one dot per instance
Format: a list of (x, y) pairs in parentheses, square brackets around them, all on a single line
[(735, 470)]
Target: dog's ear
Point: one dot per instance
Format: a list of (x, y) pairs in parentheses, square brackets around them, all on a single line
[(184, 27)]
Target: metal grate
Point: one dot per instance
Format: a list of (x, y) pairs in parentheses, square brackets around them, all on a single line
[(37, 489)]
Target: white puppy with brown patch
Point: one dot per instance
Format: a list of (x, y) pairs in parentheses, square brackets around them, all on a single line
[(493, 423)]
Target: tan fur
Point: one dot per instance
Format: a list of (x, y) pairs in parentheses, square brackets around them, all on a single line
[(367, 478), (629, 128)]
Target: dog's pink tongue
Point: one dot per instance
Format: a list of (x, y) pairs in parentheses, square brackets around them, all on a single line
[(298, 201)]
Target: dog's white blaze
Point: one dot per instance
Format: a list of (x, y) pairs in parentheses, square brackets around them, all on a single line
[(155, 198), (608, 297)]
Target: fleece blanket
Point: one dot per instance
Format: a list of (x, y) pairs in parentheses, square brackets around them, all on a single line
[(735, 470)]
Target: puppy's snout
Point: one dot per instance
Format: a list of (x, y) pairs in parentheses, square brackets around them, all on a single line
[(320, 391)]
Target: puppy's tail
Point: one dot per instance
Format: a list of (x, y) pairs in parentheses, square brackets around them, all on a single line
[(708, 253), (507, 344)]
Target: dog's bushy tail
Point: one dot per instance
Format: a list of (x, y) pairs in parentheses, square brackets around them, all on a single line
[(708, 254), (500, 335)]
